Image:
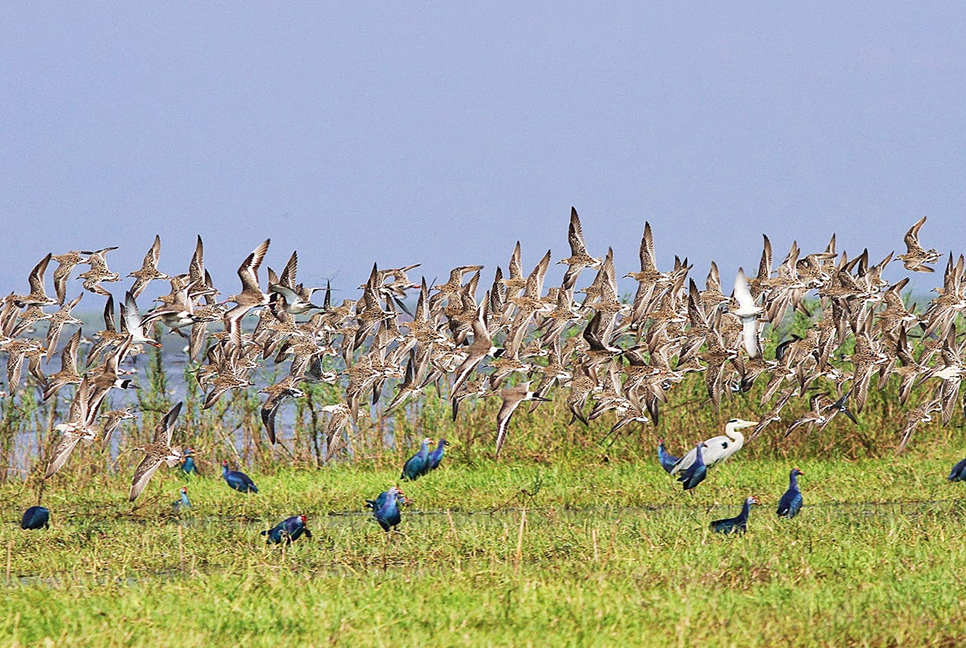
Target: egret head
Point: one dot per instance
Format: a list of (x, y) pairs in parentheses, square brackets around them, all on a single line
[(738, 424)]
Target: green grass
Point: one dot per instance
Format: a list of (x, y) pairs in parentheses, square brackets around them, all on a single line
[(611, 554)]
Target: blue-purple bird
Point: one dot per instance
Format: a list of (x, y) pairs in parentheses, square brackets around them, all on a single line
[(387, 515), (415, 466), (736, 524), (791, 502), (182, 502), (696, 472), (188, 463), (238, 480), (289, 530), (36, 517), (958, 472), (436, 456), (667, 460)]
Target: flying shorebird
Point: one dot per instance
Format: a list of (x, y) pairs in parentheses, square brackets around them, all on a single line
[(67, 262), (98, 271), (286, 388), (157, 452), (512, 397), (38, 295), (133, 322), (68, 374), (578, 258), (916, 257), (251, 295), (56, 324), (78, 427), (149, 268)]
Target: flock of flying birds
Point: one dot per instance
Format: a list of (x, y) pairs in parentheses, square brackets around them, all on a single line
[(626, 358)]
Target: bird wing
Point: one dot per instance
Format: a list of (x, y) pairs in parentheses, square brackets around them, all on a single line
[(743, 292), (576, 235), (503, 420), (287, 277), (248, 270), (912, 237), (196, 269), (749, 334), (62, 453), (648, 260), (36, 279), (269, 410), (165, 427), (145, 470), (516, 263)]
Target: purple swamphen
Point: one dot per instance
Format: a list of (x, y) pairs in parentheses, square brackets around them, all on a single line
[(188, 463), (238, 480), (36, 517), (436, 456), (415, 466), (667, 460), (289, 530), (791, 502), (736, 524), (182, 502), (696, 472), (958, 472), (387, 515)]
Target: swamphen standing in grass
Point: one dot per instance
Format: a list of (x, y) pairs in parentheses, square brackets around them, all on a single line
[(667, 460), (188, 464), (183, 502), (387, 515), (238, 480), (735, 524), (436, 456), (416, 465), (289, 530), (696, 472), (36, 517), (791, 502), (958, 472)]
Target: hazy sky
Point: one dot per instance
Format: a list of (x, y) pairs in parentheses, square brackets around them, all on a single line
[(442, 133)]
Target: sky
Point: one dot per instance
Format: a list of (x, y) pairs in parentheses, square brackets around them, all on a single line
[(442, 133)]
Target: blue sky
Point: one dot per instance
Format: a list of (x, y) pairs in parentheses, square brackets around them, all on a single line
[(443, 133)]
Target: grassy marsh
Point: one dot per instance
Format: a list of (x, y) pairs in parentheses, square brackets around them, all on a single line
[(611, 554)]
